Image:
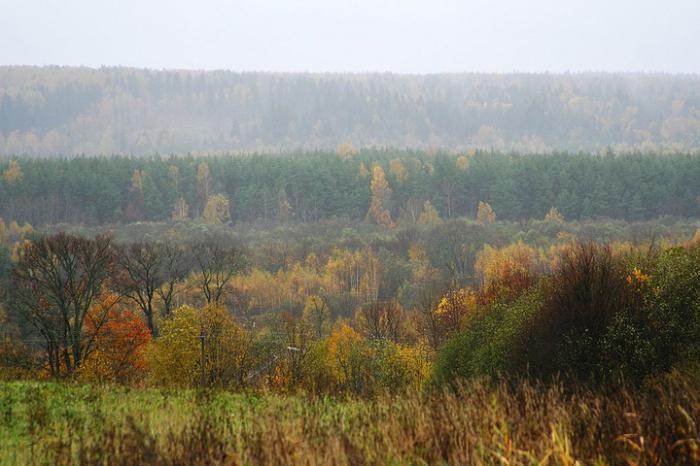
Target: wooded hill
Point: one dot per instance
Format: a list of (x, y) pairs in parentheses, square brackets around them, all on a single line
[(62, 110)]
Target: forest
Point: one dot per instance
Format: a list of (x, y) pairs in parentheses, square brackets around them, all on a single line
[(464, 308), (52, 110), (294, 188), (349, 233)]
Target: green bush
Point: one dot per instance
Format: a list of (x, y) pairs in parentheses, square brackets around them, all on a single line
[(598, 318), (486, 346)]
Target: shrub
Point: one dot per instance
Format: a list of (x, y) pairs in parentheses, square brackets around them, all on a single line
[(487, 345), (584, 295), (671, 301), (600, 317), (611, 316), (346, 362)]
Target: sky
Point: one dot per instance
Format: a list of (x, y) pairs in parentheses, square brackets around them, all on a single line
[(406, 36)]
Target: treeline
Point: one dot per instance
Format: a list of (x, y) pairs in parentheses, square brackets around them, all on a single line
[(177, 315), (61, 110), (385, 187)]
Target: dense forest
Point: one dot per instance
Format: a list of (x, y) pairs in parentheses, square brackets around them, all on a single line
[(68, 111), (308, 187)]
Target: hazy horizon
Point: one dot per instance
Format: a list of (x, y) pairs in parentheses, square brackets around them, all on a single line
[(690, 74), (543, 36)]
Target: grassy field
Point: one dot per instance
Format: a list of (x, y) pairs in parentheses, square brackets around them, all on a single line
[(51, 423)]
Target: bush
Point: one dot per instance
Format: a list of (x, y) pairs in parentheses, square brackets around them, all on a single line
[(346, 362), (487, 345), (586, 298), (672, 307), (599, 318), (201, 347)]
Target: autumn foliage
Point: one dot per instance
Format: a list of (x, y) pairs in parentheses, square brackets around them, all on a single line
[(119, 346)]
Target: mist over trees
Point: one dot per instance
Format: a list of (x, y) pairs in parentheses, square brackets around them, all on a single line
[(68, 111)]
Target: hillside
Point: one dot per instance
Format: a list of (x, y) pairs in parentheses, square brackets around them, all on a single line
[(63, 110)]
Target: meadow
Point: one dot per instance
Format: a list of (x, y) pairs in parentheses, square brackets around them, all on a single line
[(506, 422)]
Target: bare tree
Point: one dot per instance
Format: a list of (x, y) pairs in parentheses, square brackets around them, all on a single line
[(58, 281), (147, 271), (174, 268), (429, 289), (216, 265), (380, 320), (138, 277)]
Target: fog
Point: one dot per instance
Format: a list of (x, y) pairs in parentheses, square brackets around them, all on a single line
[(407, 36)]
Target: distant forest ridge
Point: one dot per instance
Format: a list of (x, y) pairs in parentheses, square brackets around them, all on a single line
[(48, 111)]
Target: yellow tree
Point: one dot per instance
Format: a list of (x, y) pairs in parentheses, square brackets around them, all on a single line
[(452, 309), (398, 170), (13, 173), (204, 347), (462, 163), (429, 215), (135, 208), (485, 214), (349, 358), (347, 151), (512, 268), (217, 210), (381, 193), (554, 216), (364, 173)]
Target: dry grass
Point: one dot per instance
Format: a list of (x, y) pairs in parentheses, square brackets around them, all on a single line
[(482, 424)]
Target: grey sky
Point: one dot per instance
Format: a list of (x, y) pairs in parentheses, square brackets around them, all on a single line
[(407, 36)]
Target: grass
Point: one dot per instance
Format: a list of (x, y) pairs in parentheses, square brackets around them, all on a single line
[(521, 423)]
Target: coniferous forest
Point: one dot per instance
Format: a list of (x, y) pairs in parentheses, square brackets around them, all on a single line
[(309, 187)]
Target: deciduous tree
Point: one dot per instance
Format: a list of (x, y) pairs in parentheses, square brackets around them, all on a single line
[(57, 281), (485, 214), (216, 265), (381, 193), (217, 210)]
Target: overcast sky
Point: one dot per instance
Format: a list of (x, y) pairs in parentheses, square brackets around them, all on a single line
[(407, 36)]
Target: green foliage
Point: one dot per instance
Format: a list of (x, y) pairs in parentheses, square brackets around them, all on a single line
[(586, 293), (308, 187), (514, 423), (599, 318), (487, 346)]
